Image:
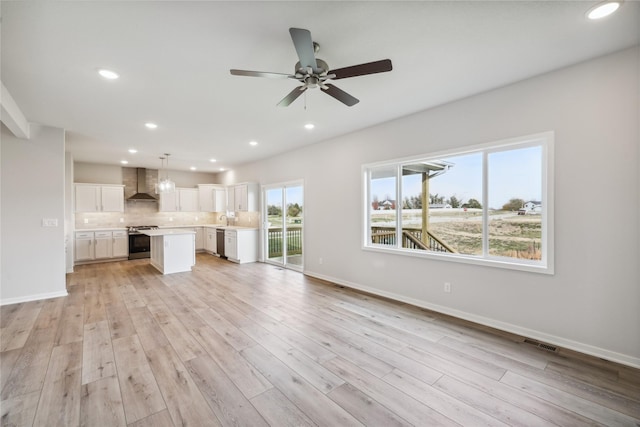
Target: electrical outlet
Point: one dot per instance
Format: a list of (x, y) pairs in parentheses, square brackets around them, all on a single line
[(320, 260), (196, 218), (49, 222), (447, 287), (121, 220), (170, 219), (86, 220)]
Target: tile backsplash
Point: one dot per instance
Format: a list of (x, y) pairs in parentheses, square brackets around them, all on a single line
[(146, 213)]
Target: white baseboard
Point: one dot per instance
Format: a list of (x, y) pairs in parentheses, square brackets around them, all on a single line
[(569, 344), (27, 298)]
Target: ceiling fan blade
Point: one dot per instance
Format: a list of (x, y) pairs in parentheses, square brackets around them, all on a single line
[(292, 96), (340, 95), (381, 66), (262, 74), (304, 47)]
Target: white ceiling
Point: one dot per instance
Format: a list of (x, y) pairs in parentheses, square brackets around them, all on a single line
[(174, 60)]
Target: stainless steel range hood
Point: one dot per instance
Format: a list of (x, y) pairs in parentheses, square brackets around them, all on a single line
[(142, 194)]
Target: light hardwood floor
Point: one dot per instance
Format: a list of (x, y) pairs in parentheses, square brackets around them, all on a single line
[(255, 345)]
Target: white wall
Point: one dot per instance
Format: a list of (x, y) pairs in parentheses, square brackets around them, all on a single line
[(94, 173), (32, 177), (69, 212), (592, 303)]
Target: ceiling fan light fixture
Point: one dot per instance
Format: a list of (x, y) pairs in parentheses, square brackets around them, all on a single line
[(603, 10)]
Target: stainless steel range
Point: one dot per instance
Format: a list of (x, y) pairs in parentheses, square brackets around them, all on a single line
[(140, 244)]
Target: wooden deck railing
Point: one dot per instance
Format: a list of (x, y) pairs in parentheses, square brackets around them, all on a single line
[(275, 239), (411, 239)]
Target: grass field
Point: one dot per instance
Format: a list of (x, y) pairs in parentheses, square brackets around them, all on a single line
[(510, 235)]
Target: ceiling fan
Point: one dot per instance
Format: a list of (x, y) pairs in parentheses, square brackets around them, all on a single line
[(313, 72)]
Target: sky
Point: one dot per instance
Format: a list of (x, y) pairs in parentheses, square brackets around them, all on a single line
[(293, 195), (512, 174)]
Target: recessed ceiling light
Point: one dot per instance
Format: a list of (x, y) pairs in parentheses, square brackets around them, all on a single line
[(309, 126), (124, 162), (192, 168), (221, 169), (253, 143), (108, 74), (603, 9), (150, 125), (133, 150), (212, 160)]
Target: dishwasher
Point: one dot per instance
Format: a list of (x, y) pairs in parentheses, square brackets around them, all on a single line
[(220, 242)]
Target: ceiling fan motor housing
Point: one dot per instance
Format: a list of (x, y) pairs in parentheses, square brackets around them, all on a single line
[(322, 68)]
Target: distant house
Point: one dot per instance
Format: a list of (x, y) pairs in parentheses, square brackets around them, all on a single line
[(439, 206), (386, 205), (531, 207)]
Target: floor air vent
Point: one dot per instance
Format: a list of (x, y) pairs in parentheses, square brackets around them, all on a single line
[(543, 346)]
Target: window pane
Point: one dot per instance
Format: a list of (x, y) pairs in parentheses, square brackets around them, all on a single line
[(489, 204), (515, 207), (455, 210), (382, 205), (294, 215), (274, 224)]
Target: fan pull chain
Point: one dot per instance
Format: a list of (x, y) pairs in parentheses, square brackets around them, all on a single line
[(305, 101)]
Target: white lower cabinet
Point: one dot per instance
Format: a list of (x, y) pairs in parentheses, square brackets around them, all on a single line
[(101, 245), (199, 238), (241, 246), (83, 246), (210, 244), (231, 245), (120, 244)]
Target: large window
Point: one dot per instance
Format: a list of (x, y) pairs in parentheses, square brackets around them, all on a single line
[(488, 204)]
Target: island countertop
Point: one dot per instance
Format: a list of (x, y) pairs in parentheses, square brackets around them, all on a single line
[(166, 232)]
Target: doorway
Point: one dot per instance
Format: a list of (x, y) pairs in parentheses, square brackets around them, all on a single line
[(284, 224)]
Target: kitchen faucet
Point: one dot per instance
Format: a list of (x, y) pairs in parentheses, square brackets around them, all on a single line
[(225, 217)]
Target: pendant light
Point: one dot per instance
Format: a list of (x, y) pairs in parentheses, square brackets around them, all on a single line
[(165, 185)]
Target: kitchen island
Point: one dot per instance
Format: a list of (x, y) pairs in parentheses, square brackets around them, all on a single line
[(173, 250)]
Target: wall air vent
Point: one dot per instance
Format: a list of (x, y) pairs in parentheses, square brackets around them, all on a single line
[(541, 345)]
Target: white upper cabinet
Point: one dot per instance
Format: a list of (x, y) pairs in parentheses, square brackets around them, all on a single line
[(99, 198), (212, 198), (242, 197), (188, 199), (112, 198), (180, 200), (168, 202)]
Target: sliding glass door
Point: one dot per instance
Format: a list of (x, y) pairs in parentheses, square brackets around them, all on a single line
[(283, 210)]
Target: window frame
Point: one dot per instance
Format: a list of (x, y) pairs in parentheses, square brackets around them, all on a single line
[(545, 140)]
